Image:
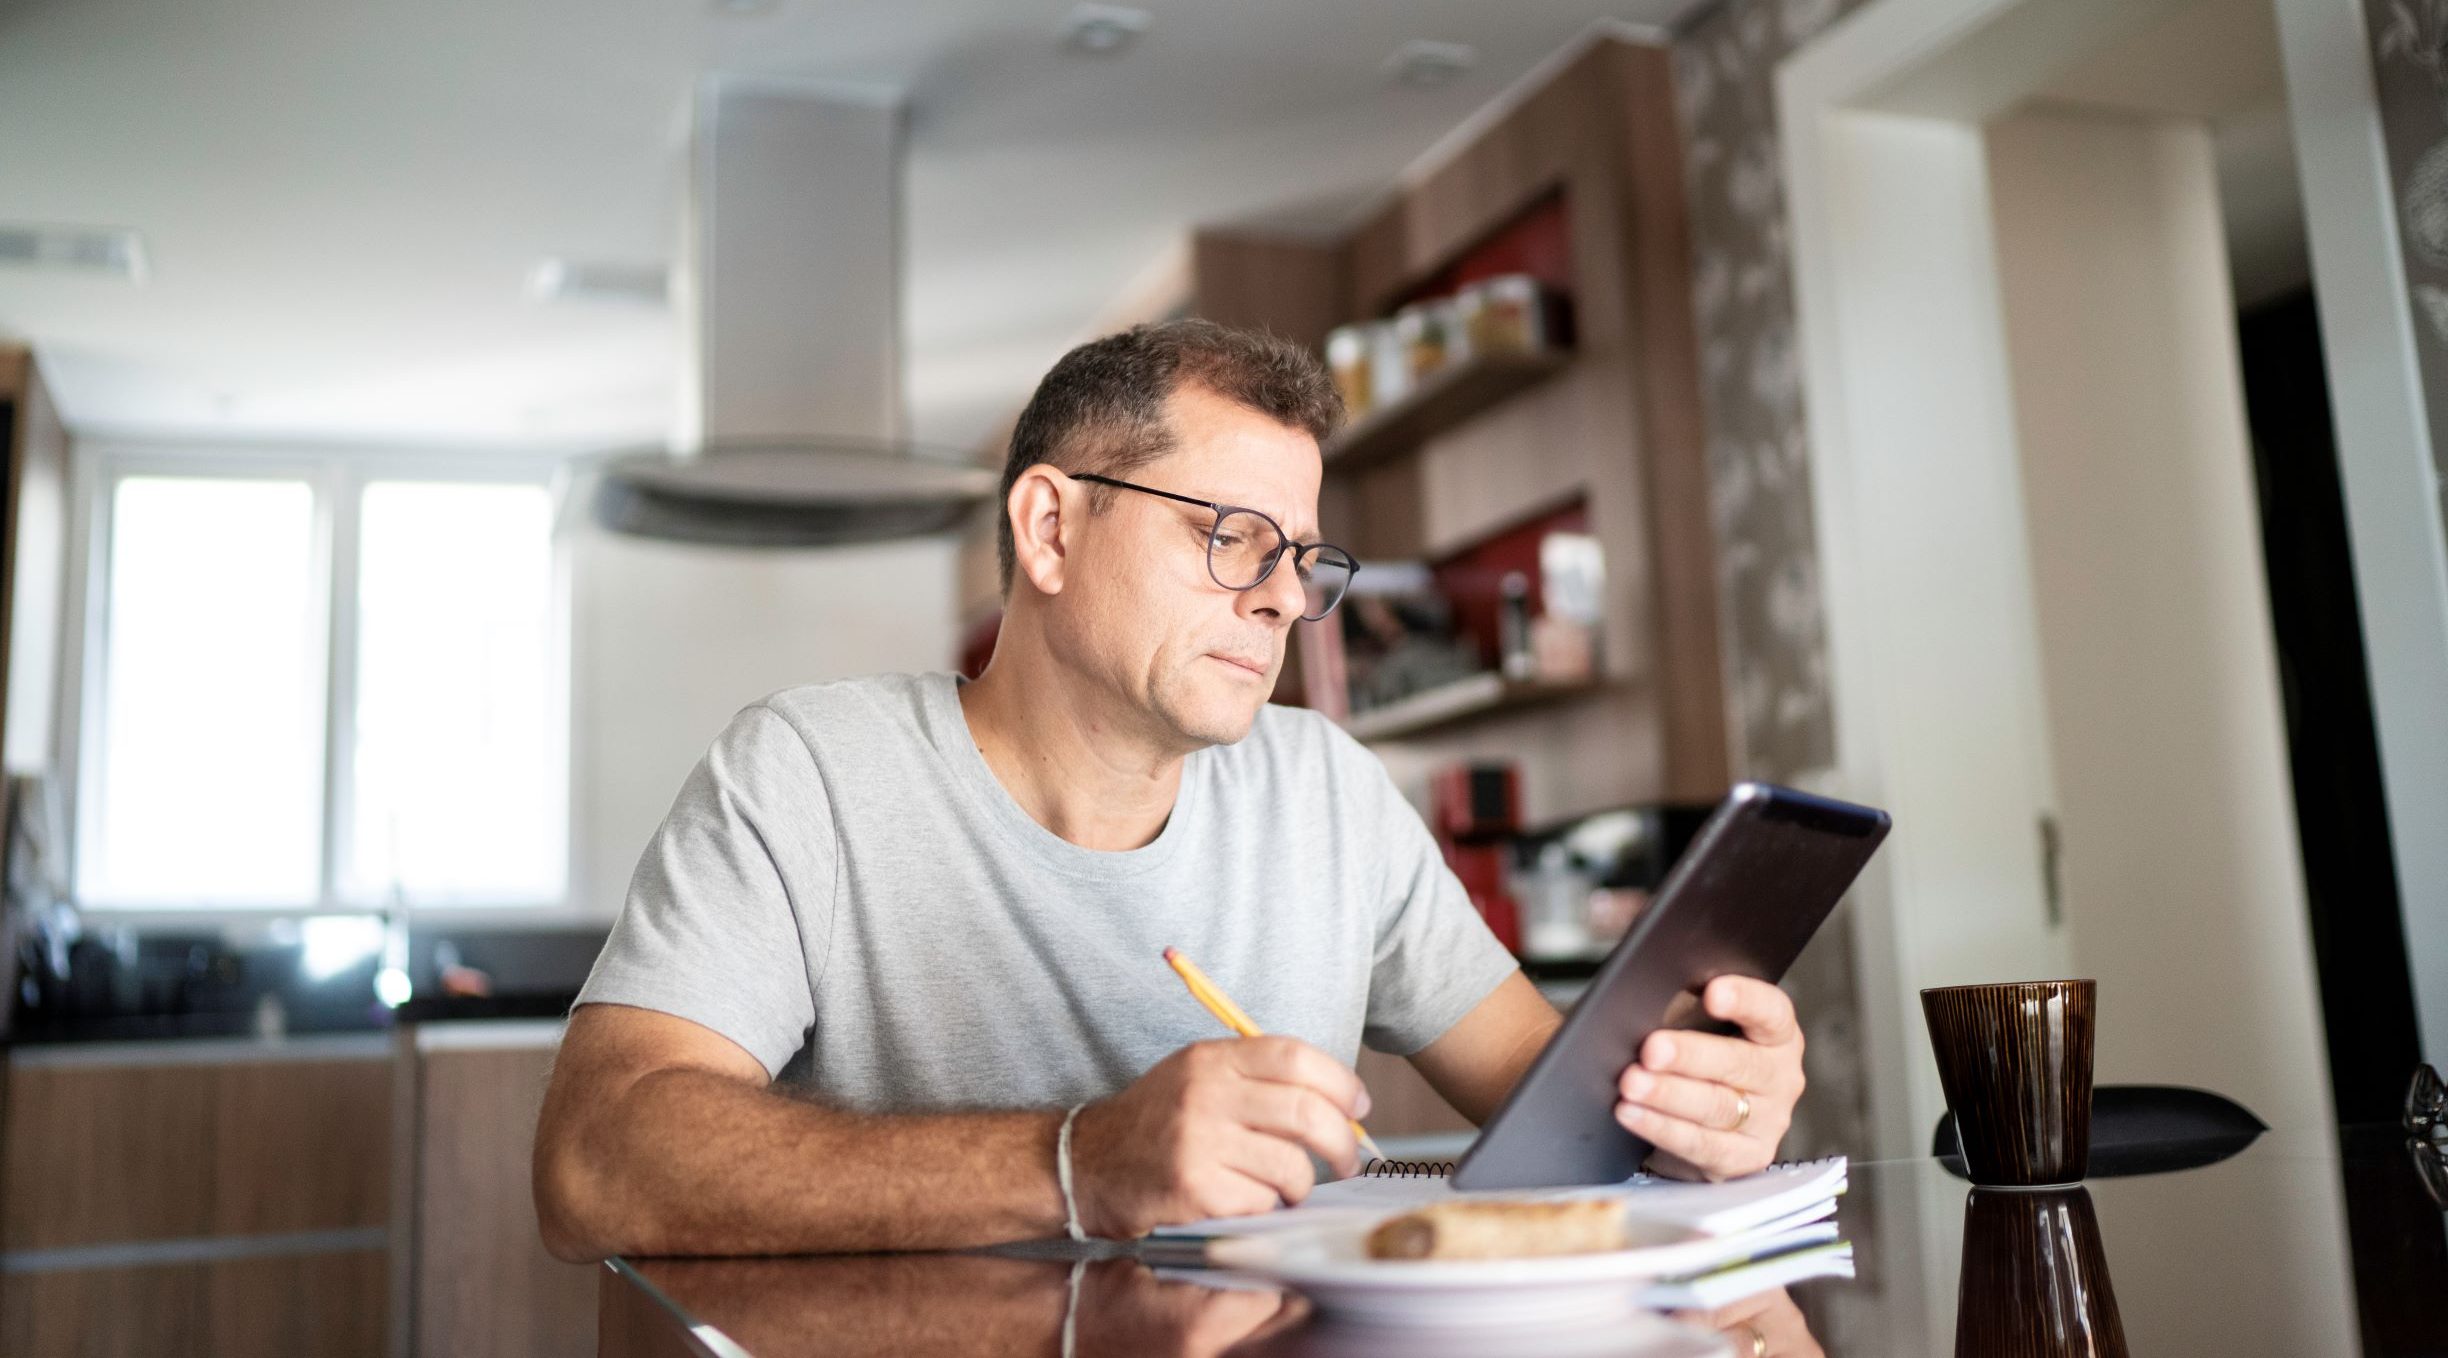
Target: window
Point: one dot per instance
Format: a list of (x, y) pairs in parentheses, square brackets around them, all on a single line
[(209, 769), (456, 777), (322, 686)]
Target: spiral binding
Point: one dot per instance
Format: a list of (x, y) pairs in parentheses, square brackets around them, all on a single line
[(1443, 1169), (1407, 1169)]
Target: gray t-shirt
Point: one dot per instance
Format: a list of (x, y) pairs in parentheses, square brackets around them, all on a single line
[(845, 890)]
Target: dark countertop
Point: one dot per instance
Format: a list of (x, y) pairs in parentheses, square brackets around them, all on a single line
[(372, 1018), (172, 985)]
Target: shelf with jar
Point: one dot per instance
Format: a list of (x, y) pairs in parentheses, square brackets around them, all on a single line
[(1441, 360), (1506, 624), (1548, 187)]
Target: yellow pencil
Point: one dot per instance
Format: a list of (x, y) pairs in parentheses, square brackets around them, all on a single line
[(1218, 1003)]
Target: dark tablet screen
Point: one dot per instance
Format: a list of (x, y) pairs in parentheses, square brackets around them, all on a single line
[(1756, 883)]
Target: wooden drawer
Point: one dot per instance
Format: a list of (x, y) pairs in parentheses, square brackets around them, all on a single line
[(109, 1152), (326, 1305)]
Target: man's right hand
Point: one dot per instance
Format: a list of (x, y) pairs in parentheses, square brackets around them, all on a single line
[(1217, 1129)]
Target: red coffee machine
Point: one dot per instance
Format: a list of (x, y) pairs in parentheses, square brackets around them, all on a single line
[(1475, 812)]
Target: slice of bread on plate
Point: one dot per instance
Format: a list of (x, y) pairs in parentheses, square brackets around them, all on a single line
[(1501, 1230)]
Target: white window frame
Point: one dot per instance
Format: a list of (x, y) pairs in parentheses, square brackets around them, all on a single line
[(337, 479)]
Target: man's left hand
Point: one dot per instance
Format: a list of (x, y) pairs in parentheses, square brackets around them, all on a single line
[(1715, 1106)]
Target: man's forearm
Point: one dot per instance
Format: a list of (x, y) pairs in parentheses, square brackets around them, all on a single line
[(687, 1161), (1478, 1061)]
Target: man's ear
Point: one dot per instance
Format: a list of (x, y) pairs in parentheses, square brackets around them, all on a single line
[(1036, 509)]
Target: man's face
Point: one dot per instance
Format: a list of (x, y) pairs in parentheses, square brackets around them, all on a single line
[(1138, 607)]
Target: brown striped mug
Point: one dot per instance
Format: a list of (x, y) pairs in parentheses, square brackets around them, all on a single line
[(2015, 1061)]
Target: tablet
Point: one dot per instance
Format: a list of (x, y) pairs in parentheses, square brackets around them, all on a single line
[(1756, 883)]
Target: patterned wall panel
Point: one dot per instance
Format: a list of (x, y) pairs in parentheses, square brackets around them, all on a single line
[(2410, 69), (1775, 640)]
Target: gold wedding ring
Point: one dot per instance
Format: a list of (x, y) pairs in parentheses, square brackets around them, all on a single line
[(1742, 1110), (1759, 1342)]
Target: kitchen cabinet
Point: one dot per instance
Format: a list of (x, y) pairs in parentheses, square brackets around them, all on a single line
[(224, 1197), (33, 558), (317, 1197), (475, 1266), (1579, 180)]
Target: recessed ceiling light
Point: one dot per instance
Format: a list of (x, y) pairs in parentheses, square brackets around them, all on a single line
[(111, 251), (572, 280), (1425, 64), (1102, 30)]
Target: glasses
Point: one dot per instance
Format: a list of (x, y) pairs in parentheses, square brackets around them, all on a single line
[(2426, 1125), (2426, 1107), (1244, 546)]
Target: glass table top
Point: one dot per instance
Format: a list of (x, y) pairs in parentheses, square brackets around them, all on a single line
[(2319, 1243)]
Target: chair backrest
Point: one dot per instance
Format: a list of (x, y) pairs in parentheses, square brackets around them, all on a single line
[(2144, 1129)]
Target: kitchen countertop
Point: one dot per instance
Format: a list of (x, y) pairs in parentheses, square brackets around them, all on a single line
[(228, 982), (236, 1032), (366, 1046)]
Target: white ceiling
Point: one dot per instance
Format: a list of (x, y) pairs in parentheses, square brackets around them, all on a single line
[(341, 202), (2218, 61)]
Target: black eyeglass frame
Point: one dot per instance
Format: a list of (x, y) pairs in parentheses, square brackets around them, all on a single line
[(1300, 550), (2426, 1106)]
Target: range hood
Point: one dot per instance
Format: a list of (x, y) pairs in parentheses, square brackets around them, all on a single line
[(790, 289)]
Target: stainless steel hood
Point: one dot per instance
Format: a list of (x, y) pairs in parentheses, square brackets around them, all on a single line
[(790, 289)]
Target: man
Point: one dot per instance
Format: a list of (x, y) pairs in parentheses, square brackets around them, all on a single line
[(889, 975)]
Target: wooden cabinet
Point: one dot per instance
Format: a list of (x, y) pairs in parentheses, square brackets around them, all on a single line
[(476, 1267), (209, 1197), (319, 1197), (304, 1304), (33, 559), (1617, 426)]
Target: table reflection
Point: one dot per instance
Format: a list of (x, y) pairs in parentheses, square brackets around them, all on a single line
[(966, 1306), (1768, 1325), (2300, 1244), (1764, 1325), (2035, 1278), (972, 1305)]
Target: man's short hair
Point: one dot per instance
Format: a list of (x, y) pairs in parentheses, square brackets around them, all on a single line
[(1101, 408)]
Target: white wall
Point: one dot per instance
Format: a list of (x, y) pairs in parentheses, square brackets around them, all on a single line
[(2182, 873), (1920, 523), (669, 640)]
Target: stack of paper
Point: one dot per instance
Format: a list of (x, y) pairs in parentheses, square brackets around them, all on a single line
[(1783, 1262), (1772, 1227)]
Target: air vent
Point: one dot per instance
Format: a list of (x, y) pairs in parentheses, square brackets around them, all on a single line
[(1424, 64), (113, 252), (569, 280), (1102, 30)]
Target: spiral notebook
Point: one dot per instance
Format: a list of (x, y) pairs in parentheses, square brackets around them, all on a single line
[(1773, 1197)]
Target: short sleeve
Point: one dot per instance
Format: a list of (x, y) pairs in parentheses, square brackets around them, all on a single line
[(732, 887), (1435, 958)]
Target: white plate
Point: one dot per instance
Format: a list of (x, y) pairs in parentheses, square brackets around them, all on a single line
[(1627, 1336), (1330, 1266)]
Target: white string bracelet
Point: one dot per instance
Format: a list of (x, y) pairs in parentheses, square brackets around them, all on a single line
[(1062, 1175), (1070, 1328)]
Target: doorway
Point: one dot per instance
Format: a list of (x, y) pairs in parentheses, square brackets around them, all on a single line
[(2350, 882), (1937, 152), (2049, 613)]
